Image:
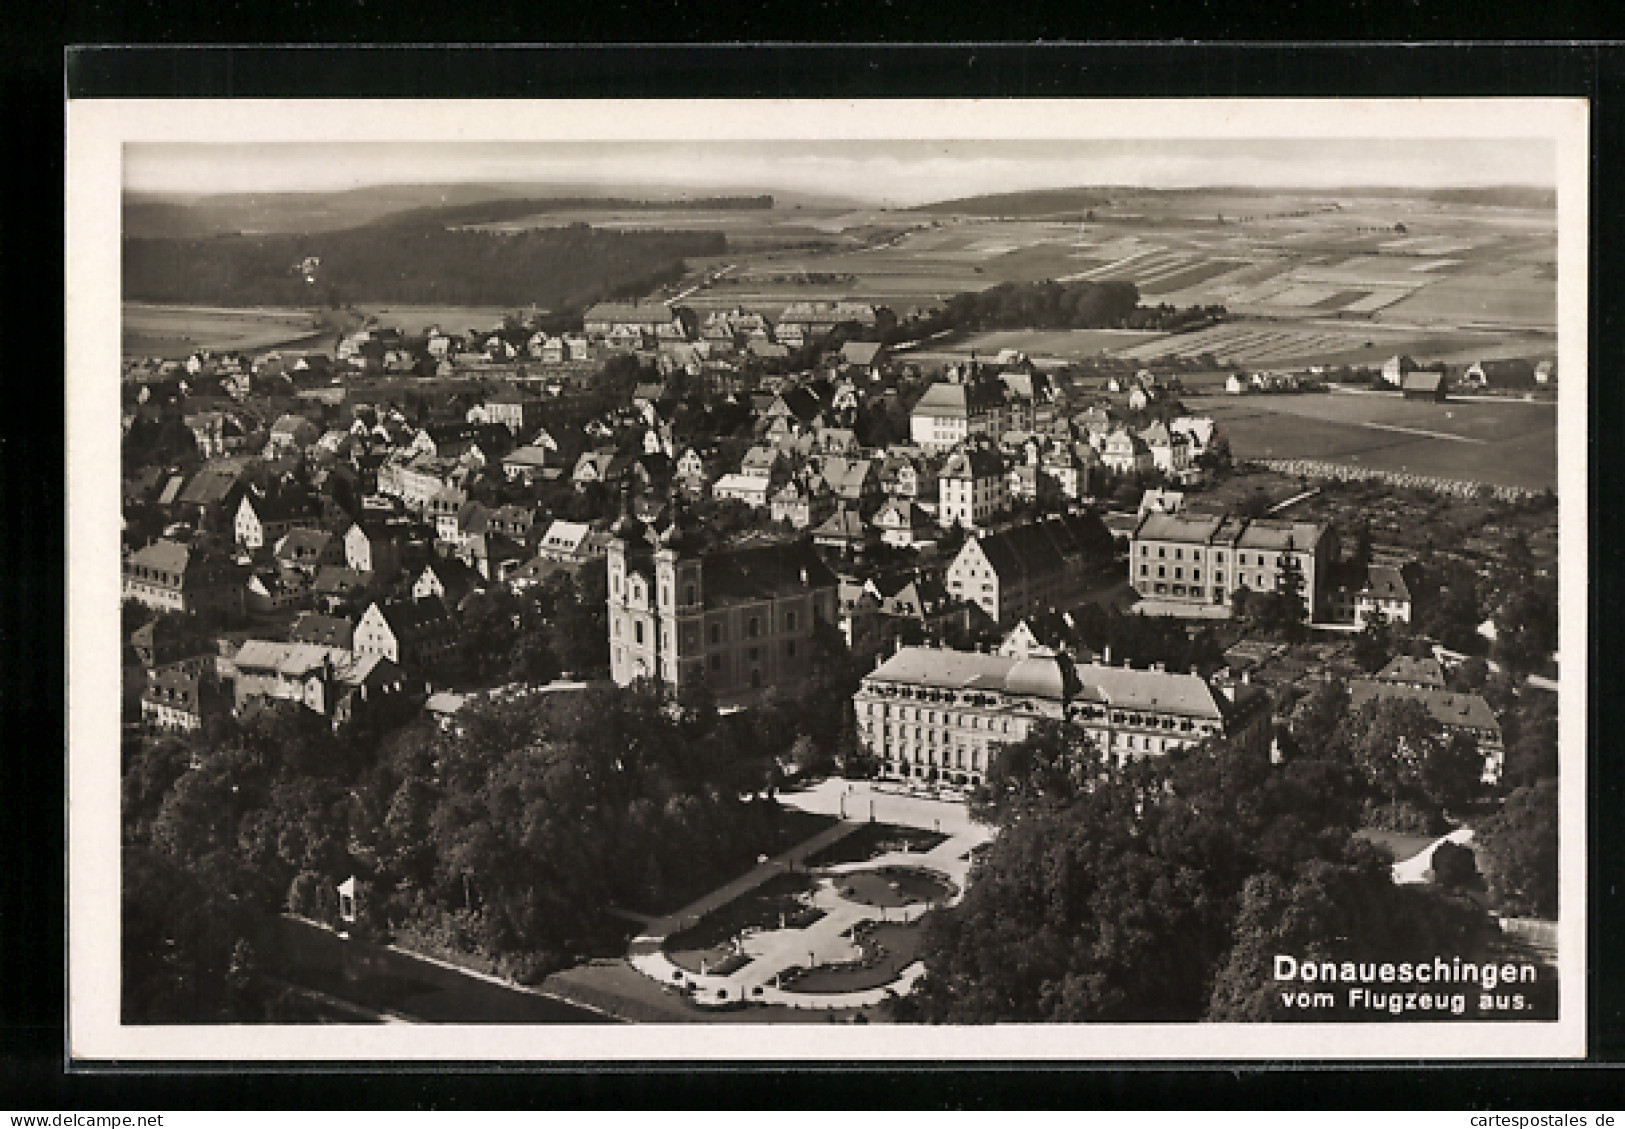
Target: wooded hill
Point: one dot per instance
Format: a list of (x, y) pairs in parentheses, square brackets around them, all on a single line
[(412, 259)]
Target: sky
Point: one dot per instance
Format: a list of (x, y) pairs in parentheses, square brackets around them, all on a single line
[(898, 173)]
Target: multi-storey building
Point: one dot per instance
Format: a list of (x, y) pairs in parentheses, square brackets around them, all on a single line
[(735, 620), (1200, 560), (943, 714), (171, 577), (972, 488), (1029, 568), (951, 411)]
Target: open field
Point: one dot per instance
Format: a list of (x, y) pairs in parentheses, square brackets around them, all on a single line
[(1510, 444), (179, 331), (1280, 344)]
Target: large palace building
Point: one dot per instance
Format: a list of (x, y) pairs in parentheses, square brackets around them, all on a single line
[(736, 620), (942, 714)]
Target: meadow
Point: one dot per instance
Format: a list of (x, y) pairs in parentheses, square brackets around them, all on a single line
[(1510, 444), (179, 331)]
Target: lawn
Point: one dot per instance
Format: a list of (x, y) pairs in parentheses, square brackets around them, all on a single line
[(179, 331), (1510, 444), (888, 949), (1400, 845), (778, 899), (873, 840), (893, 886)]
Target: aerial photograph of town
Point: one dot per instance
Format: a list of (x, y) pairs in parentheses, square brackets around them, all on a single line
[(844, 582)]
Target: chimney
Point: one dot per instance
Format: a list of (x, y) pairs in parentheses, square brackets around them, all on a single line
[(1246, 677), (1106, 655)]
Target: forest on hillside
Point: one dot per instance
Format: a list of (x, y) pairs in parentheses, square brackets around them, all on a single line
[(411, 262)]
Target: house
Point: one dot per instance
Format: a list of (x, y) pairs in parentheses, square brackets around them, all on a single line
[(492, 555), (449, 580), (940, 714), (290, 435), (1197, 561), (902, 523), (744, 488), (867, 355), (1424, 386), (599, 466), (335, 586), (1424, 674), (738, 620), (952, 411), (638, 324), (165, 640), (265, 520), (182, 695), (1236, 385), (513, 410), (1508, 374), (372, 548), (323, 630), (528, 465), (173, 577), (571, 542), (1453, 712), (972, 488), (1124, 452), (1048, 633), (417, 635), (803, 505), (290, 672), (1386, 593), (1156, 500), (844, 531), (210, 497), (1030, 568), (1170, 451), (854, 482), (270, 592)]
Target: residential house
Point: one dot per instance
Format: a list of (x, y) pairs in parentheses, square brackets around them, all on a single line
[(1453, 712), (183, 696), (953, 411), (844, 531), (1124, 452), (263, 520), (173, 577), (854, 482), (744, 488), (419, 636), (1026, 569), (513, 410), (336, 632), (1170, 451), (372, 548), (902, 523), (1422, 385), (528, 465), (638, 324), (448, 579), (290, 435), (803, 504), (972, 488), (1197, 561)]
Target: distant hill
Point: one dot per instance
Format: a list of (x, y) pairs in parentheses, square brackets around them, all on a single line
[(411, 260), (181, 216), (1077, 201), (1036, 202)]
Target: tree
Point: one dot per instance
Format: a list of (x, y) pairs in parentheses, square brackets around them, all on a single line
[(1371, 644), (1114, 894), (1518, 849)]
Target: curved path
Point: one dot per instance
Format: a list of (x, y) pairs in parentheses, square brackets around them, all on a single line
[(823, 942)]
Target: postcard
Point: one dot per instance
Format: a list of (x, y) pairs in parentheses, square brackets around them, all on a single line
[(923, 581)]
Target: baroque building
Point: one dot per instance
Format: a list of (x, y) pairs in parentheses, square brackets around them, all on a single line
[(736, 620)]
